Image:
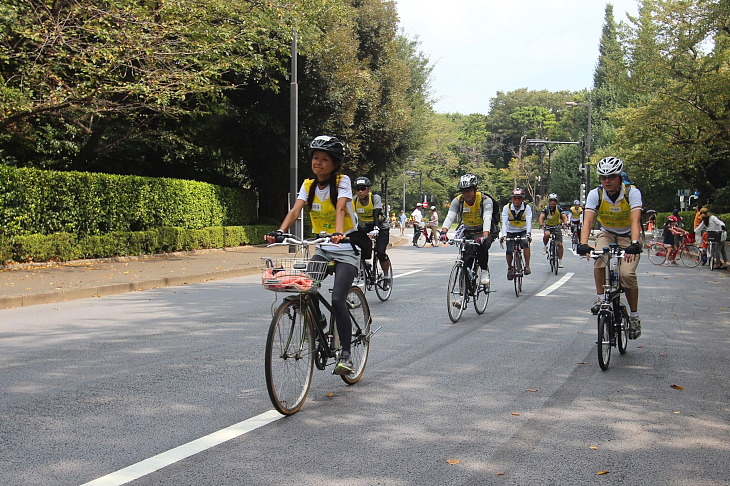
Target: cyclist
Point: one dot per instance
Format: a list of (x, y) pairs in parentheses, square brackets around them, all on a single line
[(329, 197), (369, 209), (671, 233), (433, 223), (576, 215), (417, 221), (517, 221), (710, 222), (465, 208), (552, 220), (617, 206)]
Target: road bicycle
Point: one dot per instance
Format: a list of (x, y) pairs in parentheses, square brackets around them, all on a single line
[(518, 263), (552, 249), (465, 283), (373, 277), (426, 237), (613, 317), (575, 236), (300, 337), (687, 251)]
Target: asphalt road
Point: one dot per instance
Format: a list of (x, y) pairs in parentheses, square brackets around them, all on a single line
[(94, 386)]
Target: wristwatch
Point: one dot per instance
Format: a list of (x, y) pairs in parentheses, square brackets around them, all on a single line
[(634, 242)]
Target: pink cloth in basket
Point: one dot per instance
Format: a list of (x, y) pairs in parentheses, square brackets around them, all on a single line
[(279, 279)]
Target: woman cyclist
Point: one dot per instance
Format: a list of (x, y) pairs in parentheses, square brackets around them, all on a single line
[(329, 198)]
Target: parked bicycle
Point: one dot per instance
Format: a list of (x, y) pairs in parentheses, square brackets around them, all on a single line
[(373, 277), (613, 317), (518, 263), (427, 237), (713, 240), (298, 339), (465, 283), (688, 253)]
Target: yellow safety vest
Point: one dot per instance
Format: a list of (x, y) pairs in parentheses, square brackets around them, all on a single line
[(365, 213), (512, 215), (322, 213), (552, 219), (472, 215), (614, 215), (576, 212)]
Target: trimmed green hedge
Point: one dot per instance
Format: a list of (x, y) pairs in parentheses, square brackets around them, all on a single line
[(65, 246), (45, 202)]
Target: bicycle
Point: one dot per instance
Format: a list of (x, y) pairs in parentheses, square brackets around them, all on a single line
[(613, 318), (465, 283), (424, 237), (297, 340), (575, 236), (688, 252), (518, 263), (374, 278), (713, 239), (552, 250)]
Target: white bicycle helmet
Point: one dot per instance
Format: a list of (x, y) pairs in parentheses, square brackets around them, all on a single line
[(433, 208), (552, 196), (610, 166), (518, 192), (576, 202), (467, 181)]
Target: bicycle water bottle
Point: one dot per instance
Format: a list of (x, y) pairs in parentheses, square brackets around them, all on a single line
[(330, 337)]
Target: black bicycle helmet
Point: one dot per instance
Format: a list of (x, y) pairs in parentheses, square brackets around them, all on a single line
[(467, 181), (328, 144), (362, 181)]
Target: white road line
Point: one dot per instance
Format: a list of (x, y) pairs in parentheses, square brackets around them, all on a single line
[(154, 463), (556, 285), (407, 273)]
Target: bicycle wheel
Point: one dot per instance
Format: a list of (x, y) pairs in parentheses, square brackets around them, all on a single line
[(481, 299), (604, 340), (381, 277), (575, 241), (690, 256), (359, 309), (455, 293), (711, 255), (289, 357), (421, 241), (657, 253), (622, 330), (517, 269), (554, 257)]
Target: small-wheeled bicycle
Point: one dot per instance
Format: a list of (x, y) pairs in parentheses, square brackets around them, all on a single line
[(465, 283), (426, 237), (613, 317), (298, 340), (518, 263), (372, 275)]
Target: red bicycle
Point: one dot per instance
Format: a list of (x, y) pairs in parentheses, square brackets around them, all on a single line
[(687, 251), (426, 237)]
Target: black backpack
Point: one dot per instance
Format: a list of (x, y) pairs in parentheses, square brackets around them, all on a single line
[(496, 213)]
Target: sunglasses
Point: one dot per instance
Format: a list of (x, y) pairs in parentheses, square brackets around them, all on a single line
[(361, 188)]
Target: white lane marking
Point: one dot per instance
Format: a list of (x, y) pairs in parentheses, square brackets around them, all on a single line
[(407, 273), (556, 285), (154, 463)]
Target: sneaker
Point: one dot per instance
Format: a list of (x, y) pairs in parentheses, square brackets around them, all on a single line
[(596, 305), (560, 263), (674, 262), (510, 274), (634, 327), (544, 250), (386, 284), (485, 280), (344, 364), (528, 271)]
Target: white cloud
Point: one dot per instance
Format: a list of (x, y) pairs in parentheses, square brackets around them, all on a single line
[(480, 47)]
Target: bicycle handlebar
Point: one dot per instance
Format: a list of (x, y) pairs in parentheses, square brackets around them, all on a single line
[(290, 239), (613, 252)]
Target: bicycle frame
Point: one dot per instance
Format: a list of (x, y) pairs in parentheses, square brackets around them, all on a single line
[(518, 262), (464, 283)]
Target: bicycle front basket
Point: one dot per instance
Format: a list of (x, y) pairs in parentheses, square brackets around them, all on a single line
[(293, 274), (714, 236)]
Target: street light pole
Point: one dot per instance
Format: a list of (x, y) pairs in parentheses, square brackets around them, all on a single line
[(585, 173)]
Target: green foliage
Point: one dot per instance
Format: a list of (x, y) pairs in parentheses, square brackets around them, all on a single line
[(46, 202), (65, 246)]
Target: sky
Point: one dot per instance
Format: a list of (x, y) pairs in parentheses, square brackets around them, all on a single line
[(480, 47)]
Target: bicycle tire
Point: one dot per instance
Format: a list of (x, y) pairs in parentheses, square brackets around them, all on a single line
[(657, 253), (380, 278), (359, 309), (455, 297), (517, 271), (604, 340), (622, 338), (481, 299), (690, 256), (711, 255), (575, 241), (554, 256), (421, 241), (289, 360)]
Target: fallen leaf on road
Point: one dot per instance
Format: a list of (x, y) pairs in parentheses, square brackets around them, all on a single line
[(501, 474), (677, 412), (582, 362), (677, 387), (601, 473), (515, 413), (453, 461), (330, 395), (593, 448), (531, 390)]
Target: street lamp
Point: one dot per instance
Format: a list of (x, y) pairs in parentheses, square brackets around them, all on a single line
[(585, 174), (413, 173)]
